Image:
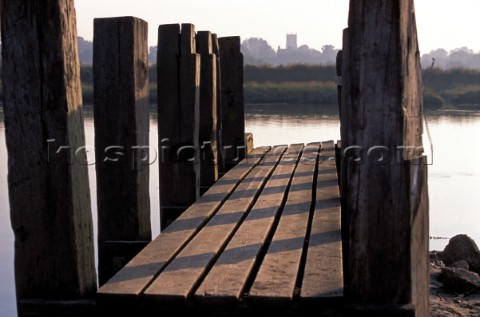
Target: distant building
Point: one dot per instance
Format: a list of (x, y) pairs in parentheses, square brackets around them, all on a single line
[(291, 42)]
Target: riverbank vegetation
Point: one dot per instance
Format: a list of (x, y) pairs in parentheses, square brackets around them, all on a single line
[(295, 84)]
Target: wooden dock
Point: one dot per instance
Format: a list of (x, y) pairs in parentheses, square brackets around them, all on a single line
[(266, 235), (269, 235)]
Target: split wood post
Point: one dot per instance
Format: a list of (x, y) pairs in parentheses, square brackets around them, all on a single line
[(208, 111), (178, 82), (120, 66), (338, 67), (233, 113), (386, 199), (47, 176), (220, 160), (338, 156)]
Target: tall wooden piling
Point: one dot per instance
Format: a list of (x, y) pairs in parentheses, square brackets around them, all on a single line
[(47, 176), (233, 115), (178, 79), (121, 89), (208, 111), (386, 197), (218, 128)]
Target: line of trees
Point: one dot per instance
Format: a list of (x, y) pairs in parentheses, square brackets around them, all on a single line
[(257, 51), (457, 58)]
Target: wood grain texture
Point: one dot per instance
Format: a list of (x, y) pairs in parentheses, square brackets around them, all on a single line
[(169, 124), (227, 279), (276, 280), (419, 221), (208, 111), (178, 83), (131, 281), (48, 191), (120, 64), (323, 274), (179, 279), (220, 160), (233, 113), (188, 181), (382, 101)]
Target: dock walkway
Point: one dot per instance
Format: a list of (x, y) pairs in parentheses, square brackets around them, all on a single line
[(267, 235)]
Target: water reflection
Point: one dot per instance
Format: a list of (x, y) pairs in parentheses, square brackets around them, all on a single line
[(288, 124)]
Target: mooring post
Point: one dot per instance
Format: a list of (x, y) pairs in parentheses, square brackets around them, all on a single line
[(47, 176), (218, 128), (338, 156), (386, 197), (178, 79), (338, 68), (120, 67), (233, 112), (208, 111)]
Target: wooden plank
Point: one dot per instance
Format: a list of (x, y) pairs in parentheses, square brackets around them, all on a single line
[(130, 282), (420, 234), (220, 160), (47, 166), (189, 81), (120, 64), (180, 278), (227, 279), (344, 144), (178, 114), (168, 107), (276, 280), (233, 113), (208, 111), (249, 142), (323, 274)]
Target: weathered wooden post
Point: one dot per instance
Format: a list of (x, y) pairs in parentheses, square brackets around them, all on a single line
[(220, 160), (233, 115), (178, 79), (338, 68), (120, 65), (386, 198), (338, 156), (47, 176), (208, 111)]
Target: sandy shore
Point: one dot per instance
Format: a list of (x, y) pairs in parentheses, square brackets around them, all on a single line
[(445, 304)]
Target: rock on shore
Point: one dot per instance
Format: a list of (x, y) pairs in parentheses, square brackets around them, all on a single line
[(454, 279)]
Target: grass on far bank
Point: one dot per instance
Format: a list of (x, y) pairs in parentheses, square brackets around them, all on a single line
[(291, 92)]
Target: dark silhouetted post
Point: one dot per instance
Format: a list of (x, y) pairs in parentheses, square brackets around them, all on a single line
[(120, 66), (47, 176), (216, 52), (386, 198), (233, 115), (178, 120), (208, 111)]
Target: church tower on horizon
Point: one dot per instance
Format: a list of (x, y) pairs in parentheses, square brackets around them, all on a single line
[(291, 41)]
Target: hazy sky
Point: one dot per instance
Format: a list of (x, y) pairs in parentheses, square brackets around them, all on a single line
[(441, 23)]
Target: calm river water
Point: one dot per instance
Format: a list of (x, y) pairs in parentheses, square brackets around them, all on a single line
[(454, 176)]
